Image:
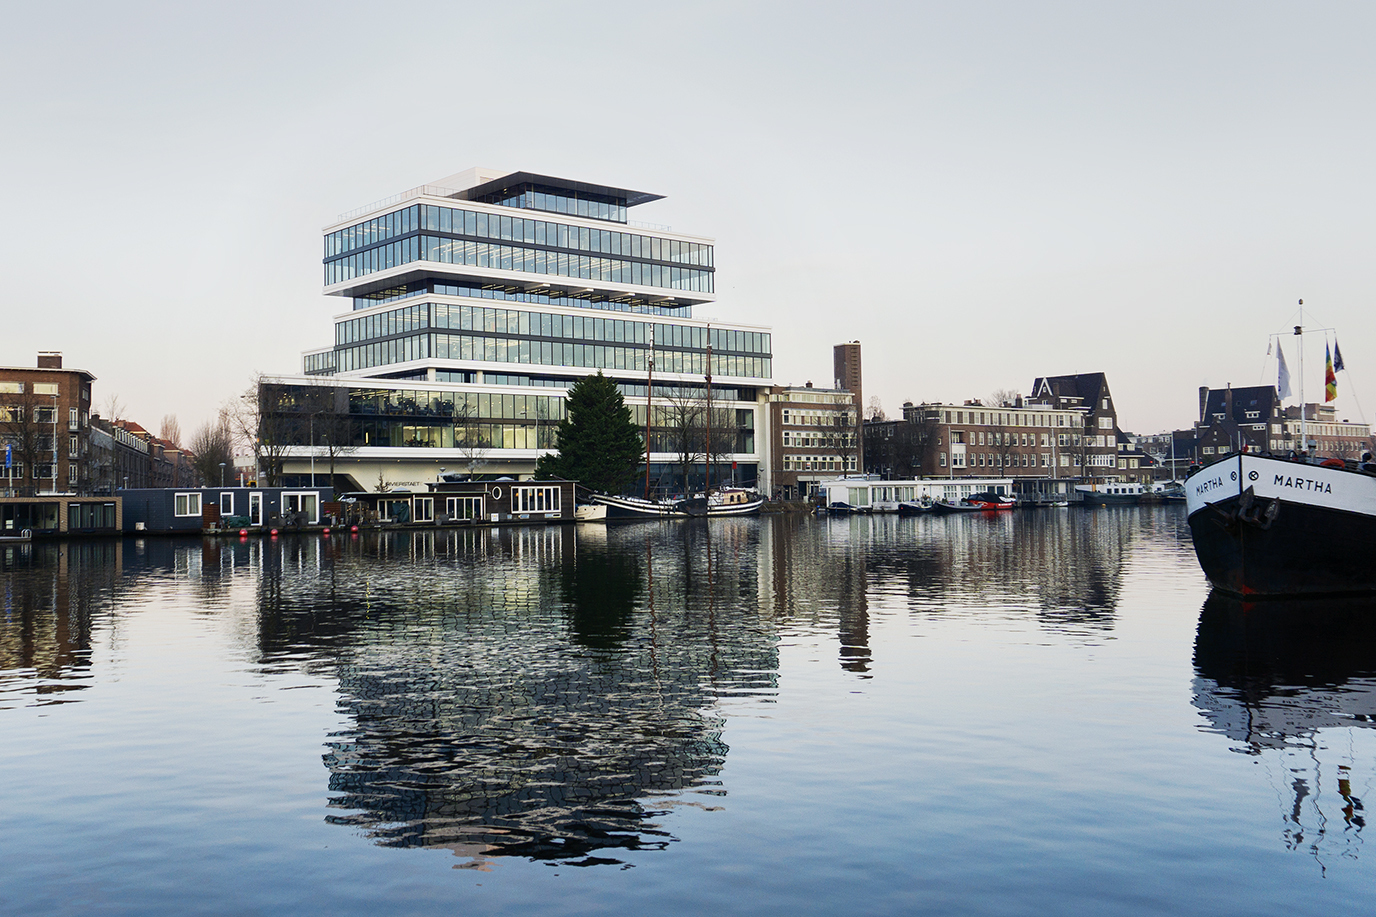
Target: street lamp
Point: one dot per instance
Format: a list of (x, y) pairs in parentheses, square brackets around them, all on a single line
[(222, 474)]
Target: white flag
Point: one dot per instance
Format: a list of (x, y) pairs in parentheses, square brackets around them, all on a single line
[(1283, 376)]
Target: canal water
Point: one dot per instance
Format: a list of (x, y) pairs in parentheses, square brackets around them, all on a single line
[(1031, 712)]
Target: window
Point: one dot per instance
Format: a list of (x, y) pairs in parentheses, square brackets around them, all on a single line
[(45, 415), (303, 502), (73, 419), (45, 388), (425, 509), (226, 504), (187, 505), (464, 507), (72, 473), (543, 499), (12, 388)]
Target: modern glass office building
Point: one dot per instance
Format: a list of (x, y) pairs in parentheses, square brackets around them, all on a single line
[(475, 301)]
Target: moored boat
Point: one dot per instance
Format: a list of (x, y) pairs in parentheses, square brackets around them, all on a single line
[(943, 508), (1111, 494), (1265, 526), (991, 501), (728, 502)]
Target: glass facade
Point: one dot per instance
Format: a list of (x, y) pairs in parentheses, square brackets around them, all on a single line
[(493, 335), (447, 235), (432, 350), (447, 419), (539, 197)]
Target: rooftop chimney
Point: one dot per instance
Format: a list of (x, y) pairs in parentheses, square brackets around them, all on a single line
[(50, 359)]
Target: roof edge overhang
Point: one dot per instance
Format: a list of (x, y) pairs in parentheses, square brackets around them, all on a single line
[(632, 198)]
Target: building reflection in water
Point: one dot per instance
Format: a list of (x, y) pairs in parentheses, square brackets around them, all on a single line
[(1064, 567), (530, 691), (1288, 681), (50, 593), (551, 692)]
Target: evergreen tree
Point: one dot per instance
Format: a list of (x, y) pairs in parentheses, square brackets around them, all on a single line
[(599, 446)]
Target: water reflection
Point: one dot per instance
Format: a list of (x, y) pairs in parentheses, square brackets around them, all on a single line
[(550, 693), (524, 692), (1065, 566), (49, 596), (1287, 682)]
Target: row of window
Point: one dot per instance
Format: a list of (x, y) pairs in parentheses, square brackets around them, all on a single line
[(582, 299), (798, 418), (483, 435), (36, 388), (548, 353), (1010, 418), (43, 471), (495, 256), (1009, 438), (578, 328), (503, 228), (301, 401), (994, 460), (304, 502), (14, 413), (800, 440), (466, 435), (818, 463)]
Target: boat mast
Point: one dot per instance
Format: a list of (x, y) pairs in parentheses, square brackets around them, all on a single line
[(707, 464), (1299, 330), (649, 398)]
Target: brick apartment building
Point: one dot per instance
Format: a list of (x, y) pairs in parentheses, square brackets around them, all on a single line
[(45, 428)]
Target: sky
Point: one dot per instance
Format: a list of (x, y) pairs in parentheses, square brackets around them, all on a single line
[(979, 193)]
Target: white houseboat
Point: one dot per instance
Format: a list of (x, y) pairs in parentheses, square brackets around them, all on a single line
[(866, 495)]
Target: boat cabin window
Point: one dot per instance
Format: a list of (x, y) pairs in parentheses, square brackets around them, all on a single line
[(464, 507)]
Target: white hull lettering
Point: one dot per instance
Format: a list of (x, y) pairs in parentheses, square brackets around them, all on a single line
[(1303, 484), (1204, 487)]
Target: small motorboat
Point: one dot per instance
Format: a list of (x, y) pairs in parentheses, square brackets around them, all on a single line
[(988, 500)]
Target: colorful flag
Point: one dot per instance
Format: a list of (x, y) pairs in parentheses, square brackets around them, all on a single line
[(1337, 357), (1283, 376), (1330, 381)]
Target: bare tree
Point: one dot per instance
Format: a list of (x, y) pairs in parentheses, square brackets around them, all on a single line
[(114, 407), (679, 424), (845, 440), (875, 410), (259, 423), (472, 446), (1006, 446), (1004, 397), (171, 430), (719, 440), (27, 428), (212, 445)]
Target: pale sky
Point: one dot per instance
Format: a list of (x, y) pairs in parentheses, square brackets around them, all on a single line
[(980, 193)]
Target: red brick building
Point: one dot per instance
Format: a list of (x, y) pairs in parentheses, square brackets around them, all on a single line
[(45, 428)]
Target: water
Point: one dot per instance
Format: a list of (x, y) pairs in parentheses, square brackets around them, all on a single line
[(1036, 712)]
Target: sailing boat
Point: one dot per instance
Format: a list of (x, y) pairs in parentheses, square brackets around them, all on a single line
[(727, 501), (1267, 525)]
